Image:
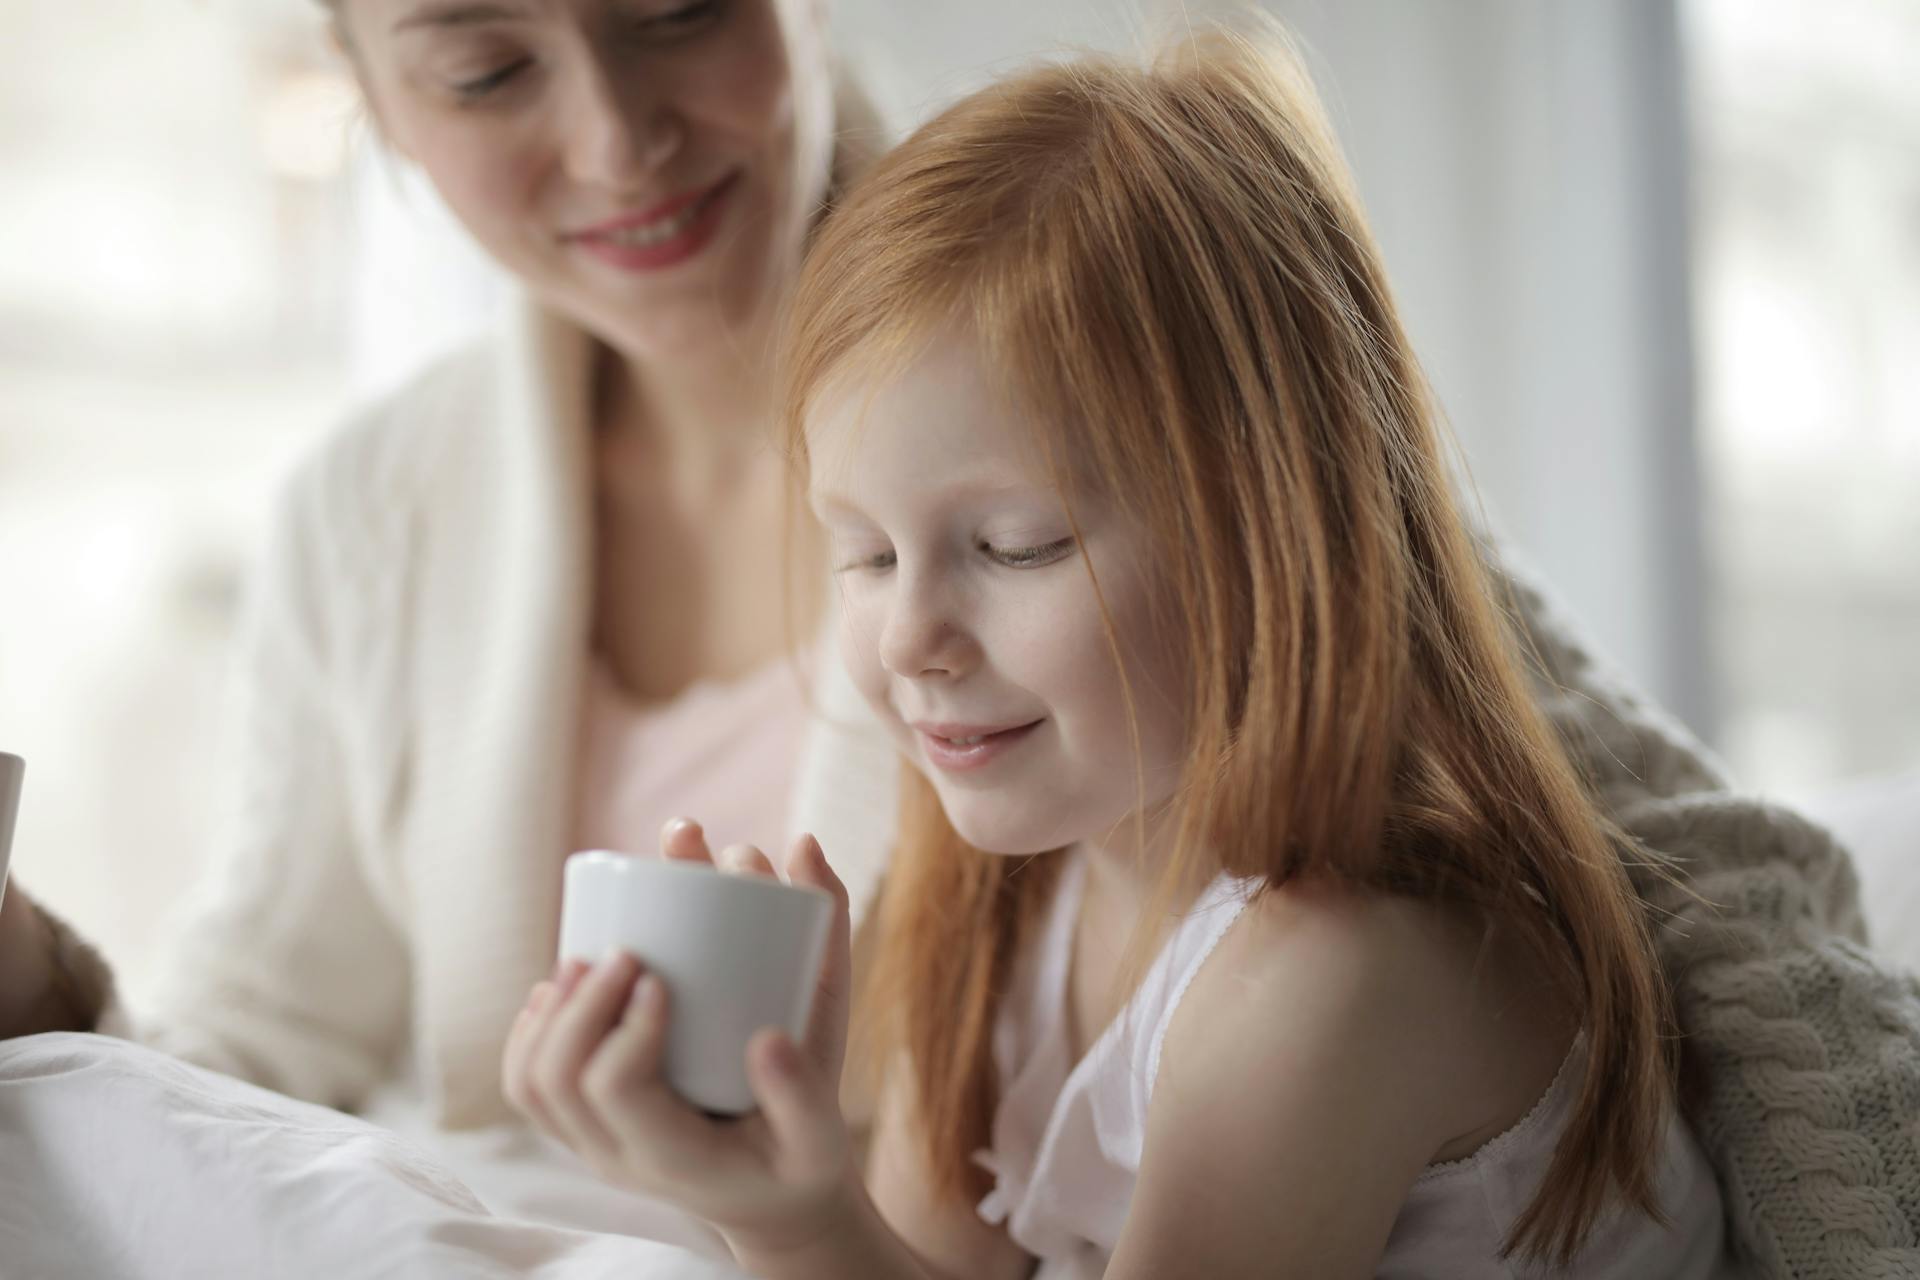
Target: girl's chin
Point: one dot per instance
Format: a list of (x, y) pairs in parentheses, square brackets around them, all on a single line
[(999, 840)]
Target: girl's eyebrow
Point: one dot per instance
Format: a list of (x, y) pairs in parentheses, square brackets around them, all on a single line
[(455, 13), (825, 500)]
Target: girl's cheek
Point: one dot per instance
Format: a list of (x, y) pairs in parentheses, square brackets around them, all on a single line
[(860, 644)]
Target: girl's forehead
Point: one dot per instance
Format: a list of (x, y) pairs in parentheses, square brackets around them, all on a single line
[(939, 410)]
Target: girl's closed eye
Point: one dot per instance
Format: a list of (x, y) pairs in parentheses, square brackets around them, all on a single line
[(1030, 556), (872, 560)]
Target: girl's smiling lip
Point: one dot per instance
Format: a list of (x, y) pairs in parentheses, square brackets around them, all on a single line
[(960, 748)]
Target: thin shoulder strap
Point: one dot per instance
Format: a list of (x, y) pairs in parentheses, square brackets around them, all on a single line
[(1193, 941)]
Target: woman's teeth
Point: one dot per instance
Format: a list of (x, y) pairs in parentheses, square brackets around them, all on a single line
[(660, 232), (966, 742)]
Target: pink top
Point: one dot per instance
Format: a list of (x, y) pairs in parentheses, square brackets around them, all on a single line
[(722, 752)]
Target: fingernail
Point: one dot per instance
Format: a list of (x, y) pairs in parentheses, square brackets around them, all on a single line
[(647, 994)]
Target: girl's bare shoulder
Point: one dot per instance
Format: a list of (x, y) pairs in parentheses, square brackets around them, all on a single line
[(1332, 1046), (1452, 1016)]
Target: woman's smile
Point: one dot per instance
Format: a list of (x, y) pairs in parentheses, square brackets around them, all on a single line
[(663, 236)]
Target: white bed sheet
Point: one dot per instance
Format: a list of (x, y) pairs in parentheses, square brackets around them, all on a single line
[(118, 1162)]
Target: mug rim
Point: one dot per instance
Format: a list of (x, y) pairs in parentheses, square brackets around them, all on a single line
[(639, 863)]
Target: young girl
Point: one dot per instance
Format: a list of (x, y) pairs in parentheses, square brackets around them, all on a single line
[(1246, 919)]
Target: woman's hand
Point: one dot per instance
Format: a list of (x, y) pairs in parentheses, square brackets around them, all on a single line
[(583, 1062), (36, 994), (25, 973)]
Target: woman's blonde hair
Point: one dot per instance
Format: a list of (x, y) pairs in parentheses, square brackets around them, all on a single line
[(1169, 266)]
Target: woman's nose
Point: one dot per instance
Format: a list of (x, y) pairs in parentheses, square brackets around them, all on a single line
[(617, 136)]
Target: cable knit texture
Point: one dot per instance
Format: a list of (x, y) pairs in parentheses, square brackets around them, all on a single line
[(1809, 1050)]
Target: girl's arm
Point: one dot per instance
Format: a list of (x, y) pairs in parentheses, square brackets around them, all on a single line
[(951, 1240), (893, 1225)]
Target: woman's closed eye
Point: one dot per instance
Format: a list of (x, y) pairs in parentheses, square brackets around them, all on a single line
[(481, 86), (675, 21), (671, 24)]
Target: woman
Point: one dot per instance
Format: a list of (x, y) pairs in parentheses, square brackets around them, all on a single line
[(586, 504), (461, 589)]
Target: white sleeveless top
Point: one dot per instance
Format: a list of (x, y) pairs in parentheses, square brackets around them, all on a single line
[(1067, 1136)]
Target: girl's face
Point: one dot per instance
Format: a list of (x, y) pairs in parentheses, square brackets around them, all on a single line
[(646, 167), (969, 619)]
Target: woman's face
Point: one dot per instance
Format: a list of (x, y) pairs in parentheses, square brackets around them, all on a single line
[(646, 167)]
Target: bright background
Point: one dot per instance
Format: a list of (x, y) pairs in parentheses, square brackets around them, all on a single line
[(1662, 260)]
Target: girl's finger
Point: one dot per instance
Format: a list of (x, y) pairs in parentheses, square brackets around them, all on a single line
[(682, 840), (532, 1028), (529, 1033), (624, 1084), (566, 977), (527, 1026), (833, 998), (745, 860), (800, 1106), (577, 1026)]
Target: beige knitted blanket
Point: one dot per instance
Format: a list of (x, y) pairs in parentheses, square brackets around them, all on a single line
[(1810, 1049)]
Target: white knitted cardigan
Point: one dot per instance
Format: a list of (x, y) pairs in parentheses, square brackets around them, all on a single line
[(1810, 1050)]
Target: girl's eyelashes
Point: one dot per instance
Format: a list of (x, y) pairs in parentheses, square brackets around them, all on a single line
[(875, 561), (1030, 557)]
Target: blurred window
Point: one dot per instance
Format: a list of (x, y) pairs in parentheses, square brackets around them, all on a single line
[(1807, 200), (175, 244)]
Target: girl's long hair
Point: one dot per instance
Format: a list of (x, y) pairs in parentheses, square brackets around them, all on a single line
[(1170, 267)]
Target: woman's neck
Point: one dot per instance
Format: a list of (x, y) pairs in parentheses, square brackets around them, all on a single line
[(703, 424)]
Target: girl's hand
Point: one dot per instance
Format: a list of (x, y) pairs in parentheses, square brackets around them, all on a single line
[(583, 1064)]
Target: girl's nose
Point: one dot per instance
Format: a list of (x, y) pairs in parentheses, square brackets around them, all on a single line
[(922, 638)]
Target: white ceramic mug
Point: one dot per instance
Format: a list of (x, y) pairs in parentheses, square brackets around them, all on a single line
[(12, 769), (737, 953)]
